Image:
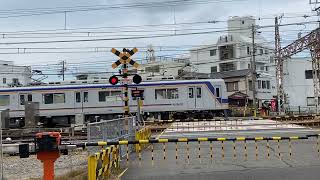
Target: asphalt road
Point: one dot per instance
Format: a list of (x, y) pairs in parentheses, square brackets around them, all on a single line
[(304, 163)]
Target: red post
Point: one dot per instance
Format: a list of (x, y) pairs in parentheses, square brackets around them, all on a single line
[(48, 158), (47, 148)]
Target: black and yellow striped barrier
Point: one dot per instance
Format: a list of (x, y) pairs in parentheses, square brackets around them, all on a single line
[(100, 164), (153, 141), (196, 120)]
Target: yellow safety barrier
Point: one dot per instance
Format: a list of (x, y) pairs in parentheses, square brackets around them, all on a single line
[(101, 164), (142, 136)]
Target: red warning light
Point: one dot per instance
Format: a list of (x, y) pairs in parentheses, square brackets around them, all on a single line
[(113, 80)]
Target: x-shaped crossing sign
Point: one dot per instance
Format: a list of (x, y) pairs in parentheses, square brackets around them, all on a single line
[(124, 57)]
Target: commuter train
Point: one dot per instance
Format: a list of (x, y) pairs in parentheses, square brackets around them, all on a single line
[(66, 104)]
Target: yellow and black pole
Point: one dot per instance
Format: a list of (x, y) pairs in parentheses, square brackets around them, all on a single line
[(125, 90)]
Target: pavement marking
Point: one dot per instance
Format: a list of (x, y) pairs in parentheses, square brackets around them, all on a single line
[(121, 174)]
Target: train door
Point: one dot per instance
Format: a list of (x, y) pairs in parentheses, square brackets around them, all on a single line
[(23, 98), (195, 95), (81, 97)]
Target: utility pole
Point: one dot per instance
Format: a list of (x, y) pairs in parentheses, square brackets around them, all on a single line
[(279, 69), (63, 69), (253, 70)]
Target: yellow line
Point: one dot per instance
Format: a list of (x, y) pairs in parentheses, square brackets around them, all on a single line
[(122, 173)]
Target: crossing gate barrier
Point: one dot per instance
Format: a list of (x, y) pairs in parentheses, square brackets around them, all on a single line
[(278, 151), (142, 134), (102, 163)]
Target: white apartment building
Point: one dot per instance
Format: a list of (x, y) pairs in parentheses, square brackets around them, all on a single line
[(233, 52), (13, 75)]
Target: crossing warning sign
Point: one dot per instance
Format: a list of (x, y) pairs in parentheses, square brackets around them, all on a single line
[(124, 57)]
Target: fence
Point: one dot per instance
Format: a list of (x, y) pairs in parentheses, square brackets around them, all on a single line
[(111, 130)]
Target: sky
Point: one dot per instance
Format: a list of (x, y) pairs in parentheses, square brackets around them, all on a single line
[(104, 19)]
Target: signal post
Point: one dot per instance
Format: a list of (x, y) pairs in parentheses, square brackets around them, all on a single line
[(124, 61)]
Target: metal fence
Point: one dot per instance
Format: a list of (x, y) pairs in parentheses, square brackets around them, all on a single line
[(110, 130)]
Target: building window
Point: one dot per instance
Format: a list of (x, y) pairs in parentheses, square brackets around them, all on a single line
[(260, 51), (109, 96), (268, 84), (250, 85), (15, 81), (310, 101), (54, 98), (226, 52), (267, 68), (308, 74), (78, 97), (166, 93), (266, 51), (249, 66), (4, 100), (214, 69), (227, 67), (264, 84), (213, 52), (271, 60), (242, 22), (232, 86), (4, 80), (262, 68), (85, 97), (259, 84), (248, 50)]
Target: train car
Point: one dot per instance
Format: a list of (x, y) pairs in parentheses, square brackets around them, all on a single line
[(66, 104)]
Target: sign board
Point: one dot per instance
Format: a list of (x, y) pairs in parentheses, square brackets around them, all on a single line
[(137, 93)]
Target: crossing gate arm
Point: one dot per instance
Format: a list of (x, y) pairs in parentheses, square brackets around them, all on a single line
[(154, 141)]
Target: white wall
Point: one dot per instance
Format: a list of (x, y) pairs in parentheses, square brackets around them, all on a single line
[(296, 85)]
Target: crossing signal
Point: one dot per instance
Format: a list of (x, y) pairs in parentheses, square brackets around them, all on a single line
[(137, 79), (113, 80)]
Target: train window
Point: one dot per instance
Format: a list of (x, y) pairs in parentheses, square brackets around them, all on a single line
[(78, 97), (29, 97), (58, 98), (199, 93), (166, 93), (22, 101), (85, 97), (172, 94), (102, 96), (54, 98), (109, 96), (218, 92), (191, 93), (4, 100)]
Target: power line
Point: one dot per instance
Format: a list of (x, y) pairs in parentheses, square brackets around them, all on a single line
[(59, 10), (146, 37)]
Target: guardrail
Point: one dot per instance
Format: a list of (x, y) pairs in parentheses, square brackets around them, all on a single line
[(101, 164)]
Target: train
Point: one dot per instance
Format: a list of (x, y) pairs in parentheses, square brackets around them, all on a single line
[(66, 104)]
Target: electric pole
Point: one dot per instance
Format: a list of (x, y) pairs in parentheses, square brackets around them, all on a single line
[(63, 69), (279, 69), (253, 70)]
